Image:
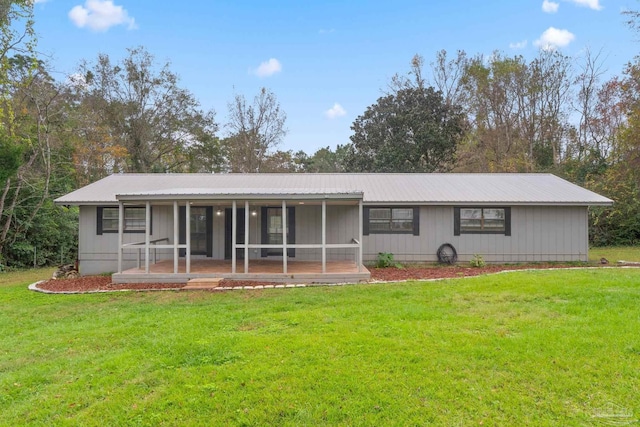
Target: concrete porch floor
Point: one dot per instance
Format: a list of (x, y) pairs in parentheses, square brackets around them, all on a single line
[(259, 270)]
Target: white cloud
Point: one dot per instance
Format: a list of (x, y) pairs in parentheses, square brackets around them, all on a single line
[(40, 1), (335, 111), (554, 38), (268, 68), (100, 15), (549, 6), (591, 4), (518, 45), (327, 31)]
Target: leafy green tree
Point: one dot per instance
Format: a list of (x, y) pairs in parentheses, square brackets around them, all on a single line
[(207, 154), (326, 160), (619, 179), (10, 158), (413, 130), (285, 162), (141, 108), (44, 170), (33, 153), (16, 38), (518, 112), (256, 130)]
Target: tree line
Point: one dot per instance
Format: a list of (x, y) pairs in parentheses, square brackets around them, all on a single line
[(456, 113)]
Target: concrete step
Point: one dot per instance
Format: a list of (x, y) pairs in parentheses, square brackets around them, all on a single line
[(203, 283)]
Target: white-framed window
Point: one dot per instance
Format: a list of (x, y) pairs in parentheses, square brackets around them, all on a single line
[(482, 220), (392, 220), (134, 219)]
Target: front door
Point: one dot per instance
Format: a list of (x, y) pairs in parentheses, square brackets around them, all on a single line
[(228, 226), (201, 228)]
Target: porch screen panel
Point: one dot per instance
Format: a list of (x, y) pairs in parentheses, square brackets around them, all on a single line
[(274, 226), (272, 230), (201, 230), (198, 230)]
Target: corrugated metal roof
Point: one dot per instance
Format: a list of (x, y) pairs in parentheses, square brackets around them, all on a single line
[(432, 189), (222, 193)]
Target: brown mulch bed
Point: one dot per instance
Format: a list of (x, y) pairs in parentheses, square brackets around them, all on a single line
[(103, 283), (98, 283), (449, 272)]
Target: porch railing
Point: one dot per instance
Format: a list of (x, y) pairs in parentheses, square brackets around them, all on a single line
[(151, 242), (355, 245)]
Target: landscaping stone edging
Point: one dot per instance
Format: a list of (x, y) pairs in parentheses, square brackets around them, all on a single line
[(34, 286)]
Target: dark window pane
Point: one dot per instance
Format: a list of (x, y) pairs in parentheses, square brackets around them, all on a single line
[(406, 214), (385, 220), (380, 214), (379, 226), (109, 224), (109, 219), (470, 213), (482, 219), (493, 213), (470, 224), (134, 219)]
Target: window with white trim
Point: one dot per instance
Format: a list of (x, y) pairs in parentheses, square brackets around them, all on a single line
[(391, 220), (482, 220), (134, 219)]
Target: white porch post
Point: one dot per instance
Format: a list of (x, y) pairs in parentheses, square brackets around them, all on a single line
[(324, 236), (246, 237), (234, 221), (176, 236), (147, 235), (360, 220), (284, 237), (120, 231), (187, 220)]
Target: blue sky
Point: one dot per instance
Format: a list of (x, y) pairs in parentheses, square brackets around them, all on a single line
[(325, 61)]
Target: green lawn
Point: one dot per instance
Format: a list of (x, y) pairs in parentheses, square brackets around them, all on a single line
[(615, 254), (526, 348)]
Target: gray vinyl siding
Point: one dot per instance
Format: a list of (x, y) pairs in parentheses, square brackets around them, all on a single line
[(538, 233), (342, 227), (99, 253)]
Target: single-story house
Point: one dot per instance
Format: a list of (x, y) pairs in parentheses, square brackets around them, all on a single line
[(321, 227)]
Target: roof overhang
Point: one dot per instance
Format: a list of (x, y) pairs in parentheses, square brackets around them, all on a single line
[(370, 189), (487, 204), (218, 194)]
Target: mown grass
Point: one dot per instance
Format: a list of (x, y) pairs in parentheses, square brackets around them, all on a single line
[(615, 253), (525, 348), (25, 276)]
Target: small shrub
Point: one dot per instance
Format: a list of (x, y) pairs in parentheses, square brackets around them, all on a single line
[(477, 261), (385, 260)]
